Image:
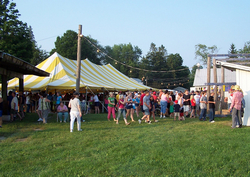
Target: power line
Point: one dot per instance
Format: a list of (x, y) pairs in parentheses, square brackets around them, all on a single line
[(132, 67)]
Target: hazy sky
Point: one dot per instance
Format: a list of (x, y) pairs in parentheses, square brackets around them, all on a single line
[(177, 24)]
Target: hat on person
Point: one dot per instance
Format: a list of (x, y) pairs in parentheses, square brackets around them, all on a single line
[(176, 101), (76, 93), (236, 87), (154, 93)]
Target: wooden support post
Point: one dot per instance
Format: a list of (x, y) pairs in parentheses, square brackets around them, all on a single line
[(103, 97), (215, 87), (4, 94), (208, 77), (78, 69), (21, 85), (222, 92)]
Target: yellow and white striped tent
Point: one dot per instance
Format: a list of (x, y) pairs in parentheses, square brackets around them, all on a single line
[(63, 76)]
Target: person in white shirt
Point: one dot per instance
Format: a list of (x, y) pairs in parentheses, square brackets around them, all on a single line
[(197, 101), (14, 107), (97, 103), (75, 112)]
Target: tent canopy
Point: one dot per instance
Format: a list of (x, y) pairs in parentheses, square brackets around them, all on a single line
[(63, 76)]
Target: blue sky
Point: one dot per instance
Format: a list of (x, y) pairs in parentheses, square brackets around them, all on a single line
[(177, 24)]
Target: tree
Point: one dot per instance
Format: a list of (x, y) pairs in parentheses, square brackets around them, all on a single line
[(246, 48), (15, 36), (202, 51), (127, 54), (66, 46), (232, 49)]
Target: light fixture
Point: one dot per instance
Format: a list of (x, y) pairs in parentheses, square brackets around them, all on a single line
[(198, 65), (81, 35), (98, 51)]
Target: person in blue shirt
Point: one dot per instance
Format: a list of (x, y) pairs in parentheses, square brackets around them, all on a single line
[(58, 99)]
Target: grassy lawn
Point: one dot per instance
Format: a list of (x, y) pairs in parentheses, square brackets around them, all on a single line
[(166, 148)]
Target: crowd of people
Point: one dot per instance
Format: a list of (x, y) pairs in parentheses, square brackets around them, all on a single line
[(176, 105)]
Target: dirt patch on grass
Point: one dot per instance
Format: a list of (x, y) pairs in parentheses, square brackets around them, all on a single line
[(38, 129), (21, 139)]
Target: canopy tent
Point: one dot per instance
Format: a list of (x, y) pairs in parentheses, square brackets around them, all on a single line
[(63, 76)]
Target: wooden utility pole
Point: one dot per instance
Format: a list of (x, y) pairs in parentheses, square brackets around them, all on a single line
[(208, 77), (78, 70), (221, 91), (215, 86)]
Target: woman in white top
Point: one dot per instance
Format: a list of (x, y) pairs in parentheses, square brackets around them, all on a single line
[(96, 100), (75, 112)]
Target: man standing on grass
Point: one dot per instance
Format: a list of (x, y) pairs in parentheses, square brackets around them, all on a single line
[(197, 103), (236, 107), (146, 108), (186, 102), (211, 107), (203, 105)]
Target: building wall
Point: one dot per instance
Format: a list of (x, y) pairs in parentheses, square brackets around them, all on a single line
[(242, 79)]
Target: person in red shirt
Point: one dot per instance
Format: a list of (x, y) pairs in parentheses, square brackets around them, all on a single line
[(193, 105), (141, 101), (121, 110)]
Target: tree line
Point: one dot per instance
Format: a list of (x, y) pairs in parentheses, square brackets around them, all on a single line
[(17, 38)]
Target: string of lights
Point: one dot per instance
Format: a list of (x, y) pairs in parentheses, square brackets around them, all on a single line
[(132, 67)]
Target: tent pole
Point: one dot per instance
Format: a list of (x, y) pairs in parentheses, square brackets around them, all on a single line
[(103, 100), (86, 89)]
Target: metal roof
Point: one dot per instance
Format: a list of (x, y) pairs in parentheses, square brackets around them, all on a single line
[(10, 64), (201, 77)]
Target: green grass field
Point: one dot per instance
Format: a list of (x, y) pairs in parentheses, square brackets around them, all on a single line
[(166, 148)]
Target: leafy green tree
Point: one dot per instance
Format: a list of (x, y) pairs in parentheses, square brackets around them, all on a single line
[(125, 53), (15, 36), (202, 51), (66, 46)]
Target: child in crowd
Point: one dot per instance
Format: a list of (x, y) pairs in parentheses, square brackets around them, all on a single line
[(121, 110), (177, 110), (152, 110), (171, 109), (193, 106)]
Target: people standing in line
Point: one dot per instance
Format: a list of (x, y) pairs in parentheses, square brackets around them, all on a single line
[(62, 110), (186, 103), (146, 108), (236, 107), (211, 103), (171, 109), (9, 99), (21, 104), (164, 103), (1, 111), (137, 104), (197, 103), (45, 108), (177, 110), (203, 106), (28, 100), (97, 104), (58, 99), (14, 107), (75, 112), (106, 102), (50, 97), (152, 110), (230, 97), (129, 106), (141, 101), (193, 106), (39, 109), (111, 106), (121, 110)]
